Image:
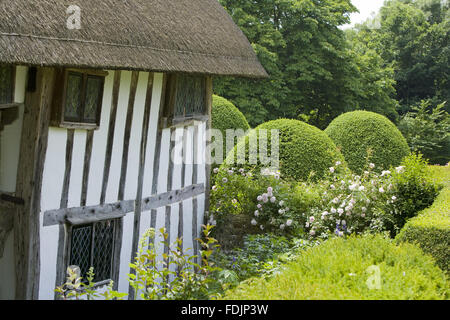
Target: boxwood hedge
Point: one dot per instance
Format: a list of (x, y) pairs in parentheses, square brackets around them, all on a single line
[(304, 151), (357, 132), (345, 269), (430, 230)]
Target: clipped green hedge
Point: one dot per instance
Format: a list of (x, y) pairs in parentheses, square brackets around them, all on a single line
[(226, 116), (430, 230), (357, 132), (338, 270), (303, 149)]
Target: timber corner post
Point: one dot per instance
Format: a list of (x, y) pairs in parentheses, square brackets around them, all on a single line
[(37, 109)]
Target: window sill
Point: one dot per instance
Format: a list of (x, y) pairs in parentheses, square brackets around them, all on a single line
[(184, 121), (75, 125)]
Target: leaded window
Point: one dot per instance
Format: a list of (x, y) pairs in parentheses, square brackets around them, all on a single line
[(92, 245), (78, 99), (6, 84), (83, 98), (190, 96)]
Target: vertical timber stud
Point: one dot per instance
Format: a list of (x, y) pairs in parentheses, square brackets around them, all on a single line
[(142, 160), (62, 243), (207, 156), (29, 184)]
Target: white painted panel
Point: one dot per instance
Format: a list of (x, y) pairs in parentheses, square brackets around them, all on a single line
[(187, 204), (76, 172), (152, 133), (99, 145), (10, 137), (125, 252), (7, 270), (52, 185), (112, 189), (135, 137), (162, 181)]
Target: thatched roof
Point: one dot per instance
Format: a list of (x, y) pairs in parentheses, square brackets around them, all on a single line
[(154, 35)]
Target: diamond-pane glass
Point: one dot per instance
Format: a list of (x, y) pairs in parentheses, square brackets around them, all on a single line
[(6, 73), (93, 92), (103, 250), (73, 97), (80, 248), (190, 99)]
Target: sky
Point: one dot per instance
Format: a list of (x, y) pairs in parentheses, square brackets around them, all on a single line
[(366, 8)]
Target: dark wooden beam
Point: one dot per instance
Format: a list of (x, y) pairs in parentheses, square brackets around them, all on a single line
[(33, 150)]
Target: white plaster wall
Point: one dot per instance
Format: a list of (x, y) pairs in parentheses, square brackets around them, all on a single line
[(52, 185), (54, 170)]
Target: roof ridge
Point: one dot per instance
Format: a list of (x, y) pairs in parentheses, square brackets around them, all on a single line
[(128, 45)]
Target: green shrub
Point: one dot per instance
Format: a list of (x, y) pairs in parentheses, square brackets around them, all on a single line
[(226, 116), (431, 229), (415, 189), (341, 269), (360, 132), (304, 150)]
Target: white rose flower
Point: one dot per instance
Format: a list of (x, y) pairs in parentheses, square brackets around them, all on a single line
[(372, 165), (333, 210), (216, 170), (394, 198), (338, 163), (332, 170), (289, 222), (256, 213), (340, 211), (361, 188), (273, 199), (282, 227), (254, 222), (281, 203), (381, 190)]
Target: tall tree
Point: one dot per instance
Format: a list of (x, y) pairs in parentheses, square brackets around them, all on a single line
[(315, 73)]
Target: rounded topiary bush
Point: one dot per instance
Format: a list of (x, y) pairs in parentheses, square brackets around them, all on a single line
[(304, 151), (226, 116), (355, 133), (356, 268)]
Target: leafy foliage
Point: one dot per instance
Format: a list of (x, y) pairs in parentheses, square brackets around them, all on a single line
[(315, 74), (412, 36), (173, 276), (339, 269), (260, 255), (359, 132), (428, 131)]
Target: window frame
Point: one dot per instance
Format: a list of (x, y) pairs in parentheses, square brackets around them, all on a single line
[(13, 87), (169, 118), (116, 246), (58, 118)]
